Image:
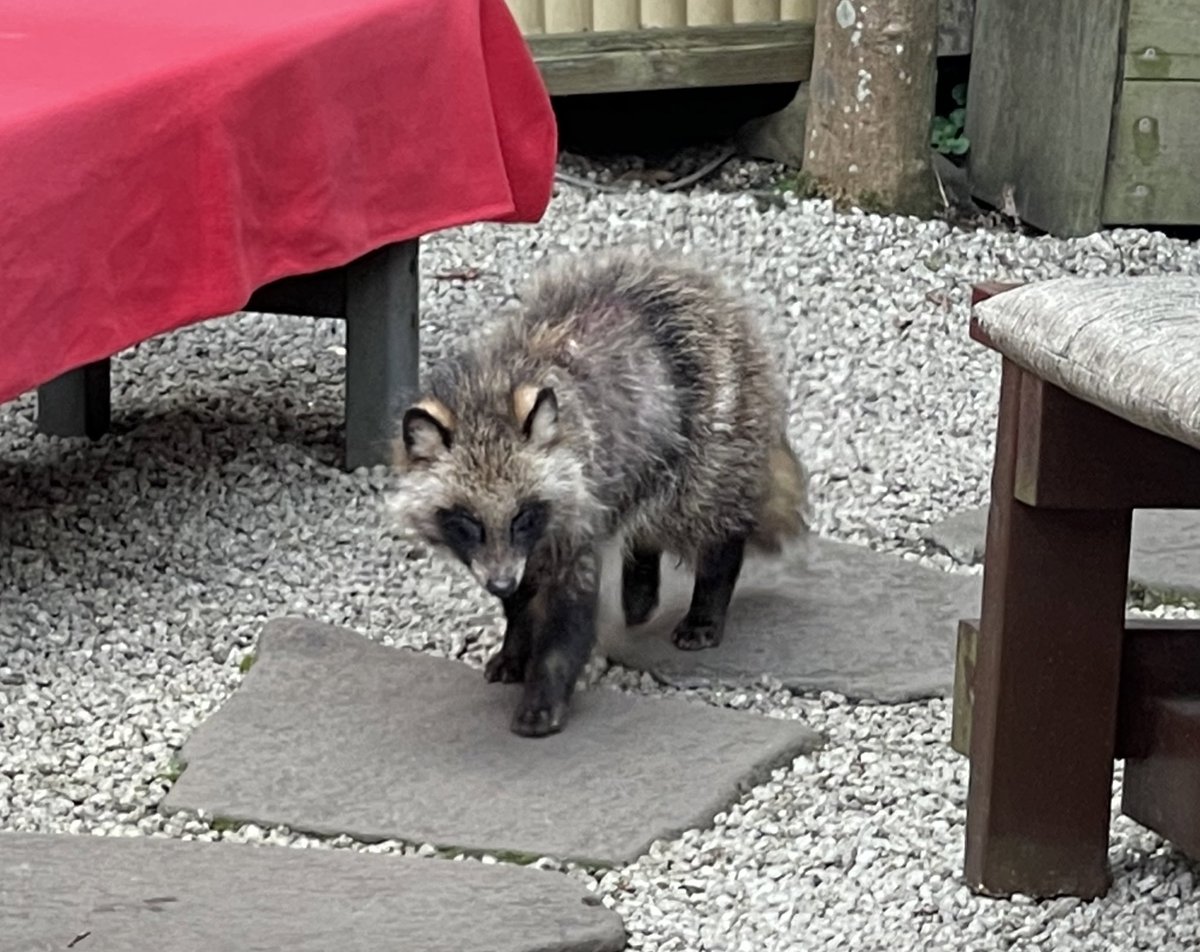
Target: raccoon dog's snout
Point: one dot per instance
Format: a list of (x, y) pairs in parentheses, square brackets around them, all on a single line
[(501, 587), (500, 577)]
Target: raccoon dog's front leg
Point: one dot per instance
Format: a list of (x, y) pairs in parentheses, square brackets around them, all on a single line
[(560, 650), (509, 663), (716, 575)]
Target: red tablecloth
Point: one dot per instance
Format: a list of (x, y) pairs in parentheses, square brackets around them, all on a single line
[(161, 159)]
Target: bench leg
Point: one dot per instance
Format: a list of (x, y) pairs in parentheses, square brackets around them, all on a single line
[(77, 403), (1047, 670), (381, 349)]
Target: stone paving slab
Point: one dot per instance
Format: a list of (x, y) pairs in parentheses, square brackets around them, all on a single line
[(961, 536), (1164, 555), (116, 894), (826, 616), (331, 733)]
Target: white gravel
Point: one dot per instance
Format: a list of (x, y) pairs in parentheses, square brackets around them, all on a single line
[(135, 573)]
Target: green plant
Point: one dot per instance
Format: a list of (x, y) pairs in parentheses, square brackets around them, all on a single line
[(947, 133), (799, 182), (173, 770)]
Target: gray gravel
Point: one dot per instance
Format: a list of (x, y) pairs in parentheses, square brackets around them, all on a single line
[(136, 573)]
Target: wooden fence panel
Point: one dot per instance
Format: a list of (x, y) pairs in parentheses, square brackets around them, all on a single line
[(615, 15), (567, 16), (755, 11), (709, 12), (664, 12)]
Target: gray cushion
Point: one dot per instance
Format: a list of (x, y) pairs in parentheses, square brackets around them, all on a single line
[(1129, 345)]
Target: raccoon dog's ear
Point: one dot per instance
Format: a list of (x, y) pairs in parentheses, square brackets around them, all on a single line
[(428, 431), (536, 410)]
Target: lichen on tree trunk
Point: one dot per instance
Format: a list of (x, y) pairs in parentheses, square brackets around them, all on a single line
[(871, 103)]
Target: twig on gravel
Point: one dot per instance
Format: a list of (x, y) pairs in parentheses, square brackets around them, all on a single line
[(703, 172), (941, 188), (580, 182), (691, 178), (461, 274)]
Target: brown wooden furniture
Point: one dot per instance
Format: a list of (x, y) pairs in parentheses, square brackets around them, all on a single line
[(1099, 414)]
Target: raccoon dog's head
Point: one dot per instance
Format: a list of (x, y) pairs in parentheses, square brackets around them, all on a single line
[(491, 483)]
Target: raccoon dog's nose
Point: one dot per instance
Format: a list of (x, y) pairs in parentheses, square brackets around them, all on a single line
[(502, 587)]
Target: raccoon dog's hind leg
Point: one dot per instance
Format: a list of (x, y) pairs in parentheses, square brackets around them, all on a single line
[(560, 649), (640, 579), (717, 571)]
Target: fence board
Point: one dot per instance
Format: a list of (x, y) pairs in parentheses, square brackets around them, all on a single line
[(664, 12), (755, 11), (615, 15), (709, 12)]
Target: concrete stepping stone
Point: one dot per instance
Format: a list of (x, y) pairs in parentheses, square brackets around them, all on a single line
[(961, 536), (332, 733), (115, 894), (825, 616), (1164, 555)]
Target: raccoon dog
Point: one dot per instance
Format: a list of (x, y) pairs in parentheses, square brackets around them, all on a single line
[(629, 398)]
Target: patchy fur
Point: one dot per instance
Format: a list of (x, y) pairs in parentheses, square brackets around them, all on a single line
[(630, 396)]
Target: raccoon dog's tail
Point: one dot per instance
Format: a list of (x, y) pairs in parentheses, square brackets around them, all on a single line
[(785, 510)]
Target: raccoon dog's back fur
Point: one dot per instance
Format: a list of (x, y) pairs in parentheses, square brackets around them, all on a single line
[(629, 396)]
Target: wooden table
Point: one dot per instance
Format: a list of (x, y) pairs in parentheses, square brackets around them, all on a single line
[(1099, 414), (163, 162)]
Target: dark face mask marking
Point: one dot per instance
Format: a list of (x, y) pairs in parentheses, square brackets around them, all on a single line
[(529, 524), (461, 532)]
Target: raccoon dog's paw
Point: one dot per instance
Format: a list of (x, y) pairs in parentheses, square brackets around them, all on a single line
[(693, 636), (539, 718), (504, 668)]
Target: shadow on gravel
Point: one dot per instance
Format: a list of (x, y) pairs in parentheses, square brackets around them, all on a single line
[(163, 470)]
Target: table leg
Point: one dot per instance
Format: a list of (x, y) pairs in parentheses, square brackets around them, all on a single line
[(381, 349), (76, 403), (1047, 673)]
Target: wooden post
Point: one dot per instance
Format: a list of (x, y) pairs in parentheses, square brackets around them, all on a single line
[(664, 13), (1047, 671), (871, 103), (614, 15), (381, 349), (77, 403)]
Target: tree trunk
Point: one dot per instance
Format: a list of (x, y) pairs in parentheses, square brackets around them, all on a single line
[(871, 103)]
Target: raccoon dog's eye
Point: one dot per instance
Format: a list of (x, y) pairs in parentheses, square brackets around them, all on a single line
[(529, 523), (460, 529)]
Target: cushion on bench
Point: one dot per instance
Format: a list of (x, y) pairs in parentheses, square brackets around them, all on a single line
[(1128, 345)]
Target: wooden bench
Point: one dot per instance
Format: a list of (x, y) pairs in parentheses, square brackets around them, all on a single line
[(1099, 414)]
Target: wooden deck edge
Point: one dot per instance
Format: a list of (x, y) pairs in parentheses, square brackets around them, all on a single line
[(638, 60)]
